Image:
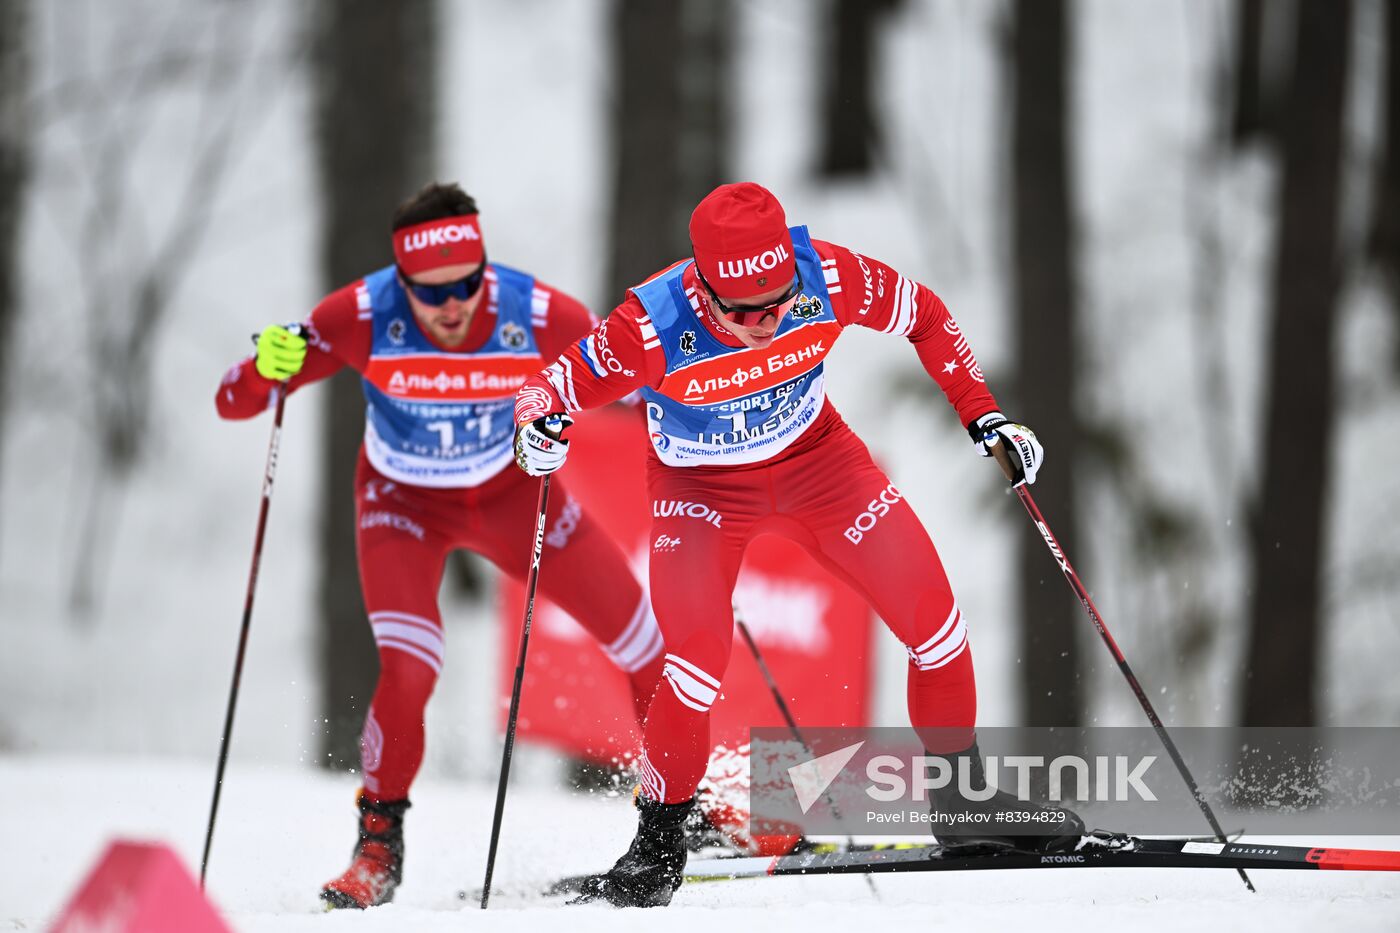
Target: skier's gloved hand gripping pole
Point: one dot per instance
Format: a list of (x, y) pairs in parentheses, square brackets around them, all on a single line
[(540, 448), (281, 352), (539, 451), (995, 429)]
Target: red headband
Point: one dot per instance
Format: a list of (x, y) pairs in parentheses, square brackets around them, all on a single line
[(447, 241)]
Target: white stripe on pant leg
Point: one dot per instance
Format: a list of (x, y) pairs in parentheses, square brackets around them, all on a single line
[(639, 643), (393, 615), (694, 671), (371, 752), (653, 784), (648, 651), (406, 628), (694, 694), (411, 649), (942, 631), (621, 647), (962, 645), (930, 657), (427, 641), (945, 650), (429, 638), (956, 638), (698, 704)]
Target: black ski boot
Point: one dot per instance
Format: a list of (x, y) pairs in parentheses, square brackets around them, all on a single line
[(376, 862), (995, 821), (650, 871)]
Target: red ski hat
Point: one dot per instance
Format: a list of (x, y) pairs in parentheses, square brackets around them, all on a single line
[(741, 241)]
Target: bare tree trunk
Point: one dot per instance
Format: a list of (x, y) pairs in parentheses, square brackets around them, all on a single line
[(375, 113), (670, 126), (850, 126), (1384, 244), (1279, 689), (1262, 58), (1249, 119), (1043, 238), (14, 81)]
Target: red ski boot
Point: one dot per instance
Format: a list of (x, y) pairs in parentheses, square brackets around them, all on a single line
[(376, 865)]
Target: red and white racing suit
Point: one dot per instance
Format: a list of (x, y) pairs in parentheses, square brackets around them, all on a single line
[(406, 530), (818, 486)]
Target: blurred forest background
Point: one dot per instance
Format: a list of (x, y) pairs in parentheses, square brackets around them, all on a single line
[(1169, 229)]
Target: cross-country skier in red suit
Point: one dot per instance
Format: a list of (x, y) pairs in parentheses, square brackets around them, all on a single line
[(443, 339), (727, 348)]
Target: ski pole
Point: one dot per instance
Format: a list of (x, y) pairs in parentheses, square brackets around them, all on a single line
[(1004, 461), (530, 585), (791, 722), (772, 684), (269, 473)]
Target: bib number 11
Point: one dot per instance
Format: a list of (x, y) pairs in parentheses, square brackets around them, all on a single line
[(447, 434)]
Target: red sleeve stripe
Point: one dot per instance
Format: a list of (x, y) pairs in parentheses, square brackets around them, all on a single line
[(561, 376), (902, 321), (539, 308), (832, 276), (650, 340), (362, 303)]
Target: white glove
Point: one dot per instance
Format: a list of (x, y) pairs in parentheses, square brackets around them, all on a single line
[(539, 447), (1021, 444)]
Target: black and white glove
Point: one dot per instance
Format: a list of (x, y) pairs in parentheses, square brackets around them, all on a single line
[(1022, 447), (539, 446)]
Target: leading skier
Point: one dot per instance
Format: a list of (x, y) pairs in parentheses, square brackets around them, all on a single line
[(727, 348)]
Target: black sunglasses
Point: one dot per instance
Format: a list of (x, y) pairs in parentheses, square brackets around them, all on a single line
[(436, 295), (749, 316)]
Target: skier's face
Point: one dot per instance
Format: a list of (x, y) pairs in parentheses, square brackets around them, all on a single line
[(446, 323), (758, 334)]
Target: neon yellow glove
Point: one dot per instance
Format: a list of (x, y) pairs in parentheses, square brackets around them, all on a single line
[(281, 352)]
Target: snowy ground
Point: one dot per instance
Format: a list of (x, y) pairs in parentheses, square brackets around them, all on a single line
[(283, 832)]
